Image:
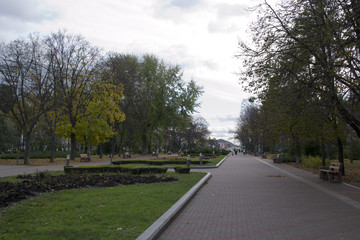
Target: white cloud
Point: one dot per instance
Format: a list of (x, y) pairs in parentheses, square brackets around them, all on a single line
[(229, 18), (226, 10), (177, 11)]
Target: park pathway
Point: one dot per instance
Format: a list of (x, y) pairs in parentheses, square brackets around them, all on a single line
[(13, 170), (251, 198)]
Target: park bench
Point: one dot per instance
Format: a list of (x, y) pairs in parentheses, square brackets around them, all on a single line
[(277, 159), (329, 173), (84, 158), (127, 155)]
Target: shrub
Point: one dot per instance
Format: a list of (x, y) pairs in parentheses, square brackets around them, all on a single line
[(114, 169), (146, 170), (207, 152), (158, 162), (182, 170), (289, 158), (314, 162)]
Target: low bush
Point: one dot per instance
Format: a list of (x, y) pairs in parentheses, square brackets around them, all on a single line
[(314, 162), (208, 152), (114, 169), (287, 157), (158, 162), (182, 170)]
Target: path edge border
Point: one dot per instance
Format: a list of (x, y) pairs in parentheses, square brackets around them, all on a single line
[(160, 224)]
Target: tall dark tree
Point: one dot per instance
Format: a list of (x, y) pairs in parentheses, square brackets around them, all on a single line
[(24, 71), (314, 44)]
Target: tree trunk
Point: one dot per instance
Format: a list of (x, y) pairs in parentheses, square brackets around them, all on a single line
[(73, 146), (144, 143), (89, 153), (27, 148), (323, 152), (351, 155), (101, 150), (341, 155), (113, 145), (328, 149), (297, 150), (347, 115), (121, 142), (52, 146)]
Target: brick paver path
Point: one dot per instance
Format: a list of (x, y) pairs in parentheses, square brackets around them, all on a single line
[(249, 198)]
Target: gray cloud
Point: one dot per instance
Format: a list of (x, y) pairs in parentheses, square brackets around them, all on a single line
[(183, 4), (228, 18), (225, 10), (224, 133), (27, 11), (15, 15), (176, 11), (222, 26), (181, 55), (225, 118)]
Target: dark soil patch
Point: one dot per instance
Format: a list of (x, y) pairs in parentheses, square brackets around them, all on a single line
[(44, 182)]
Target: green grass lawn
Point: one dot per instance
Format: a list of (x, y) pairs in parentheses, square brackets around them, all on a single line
[(212, 161), (122, 212)]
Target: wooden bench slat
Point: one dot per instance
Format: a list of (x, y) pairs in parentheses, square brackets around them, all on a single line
[(84, 158), (331, 171)]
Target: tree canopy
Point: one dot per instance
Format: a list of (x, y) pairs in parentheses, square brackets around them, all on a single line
[(135, 102), (303, 64)]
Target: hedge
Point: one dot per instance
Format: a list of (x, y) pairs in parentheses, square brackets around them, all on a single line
[(182, 170), (157, 162), (114, 169), (208, 152)]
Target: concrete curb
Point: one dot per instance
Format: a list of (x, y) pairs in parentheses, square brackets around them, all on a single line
[(159, 225)]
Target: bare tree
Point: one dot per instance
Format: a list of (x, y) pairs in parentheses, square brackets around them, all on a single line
[(25, 72)]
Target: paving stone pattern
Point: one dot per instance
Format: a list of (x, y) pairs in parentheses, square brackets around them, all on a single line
[(248, 199)]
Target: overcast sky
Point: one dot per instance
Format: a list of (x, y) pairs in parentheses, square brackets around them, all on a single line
[(199, 35)]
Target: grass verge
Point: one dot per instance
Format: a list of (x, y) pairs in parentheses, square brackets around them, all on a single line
[(122, 212)]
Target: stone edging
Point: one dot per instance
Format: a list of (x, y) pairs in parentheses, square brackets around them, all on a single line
[(159, 225)]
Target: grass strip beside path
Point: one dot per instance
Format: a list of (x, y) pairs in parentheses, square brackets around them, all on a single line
[(122, 212)]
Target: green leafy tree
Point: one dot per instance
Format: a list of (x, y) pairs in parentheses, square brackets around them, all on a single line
[(156, 101), (74, 71), (102, 112)]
